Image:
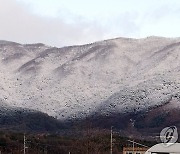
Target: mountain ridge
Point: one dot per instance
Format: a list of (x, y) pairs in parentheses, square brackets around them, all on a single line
[(116, 75)]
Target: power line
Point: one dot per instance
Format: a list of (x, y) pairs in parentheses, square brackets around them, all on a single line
[(138, 143)]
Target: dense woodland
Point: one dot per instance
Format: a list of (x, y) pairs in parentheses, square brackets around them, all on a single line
[(88, 142)]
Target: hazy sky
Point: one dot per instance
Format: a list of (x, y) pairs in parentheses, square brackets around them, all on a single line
[(69, 22)]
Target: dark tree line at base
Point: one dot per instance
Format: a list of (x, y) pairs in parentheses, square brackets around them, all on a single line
[(87, 142)]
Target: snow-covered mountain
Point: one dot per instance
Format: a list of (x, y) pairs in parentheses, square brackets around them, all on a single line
[(113, 76)]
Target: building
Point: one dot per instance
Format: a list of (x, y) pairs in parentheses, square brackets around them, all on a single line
[(135, 150)]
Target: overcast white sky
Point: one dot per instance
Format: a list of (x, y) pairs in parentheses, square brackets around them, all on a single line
[(70, 22)]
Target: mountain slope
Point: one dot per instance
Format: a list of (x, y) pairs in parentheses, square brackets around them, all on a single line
[(113, 76)]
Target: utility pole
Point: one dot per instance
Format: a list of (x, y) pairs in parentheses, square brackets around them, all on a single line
[(111, 140), (25, 144), (133, 146)]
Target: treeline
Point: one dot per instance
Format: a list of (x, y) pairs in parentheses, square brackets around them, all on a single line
[(87, 142)]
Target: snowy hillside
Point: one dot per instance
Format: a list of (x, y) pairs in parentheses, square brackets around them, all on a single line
[(118, 75)]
